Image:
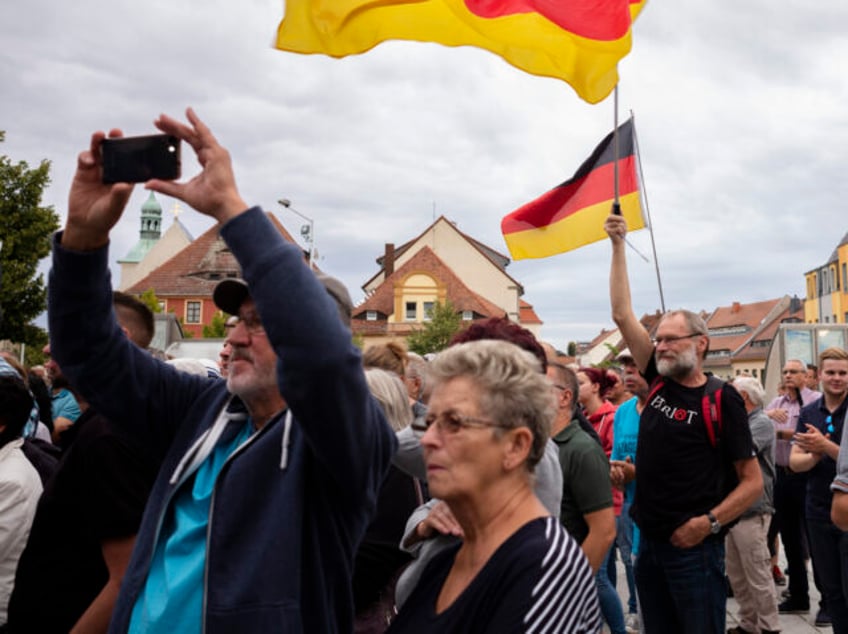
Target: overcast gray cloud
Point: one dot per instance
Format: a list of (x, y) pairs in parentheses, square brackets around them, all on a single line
[(740, 116)]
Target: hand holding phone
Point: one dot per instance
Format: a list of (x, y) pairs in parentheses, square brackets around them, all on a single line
[(141, 158)]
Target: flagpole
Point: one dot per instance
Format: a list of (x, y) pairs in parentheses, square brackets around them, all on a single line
[(644, 195), (616, 206)]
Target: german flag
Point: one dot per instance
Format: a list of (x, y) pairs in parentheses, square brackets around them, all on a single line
[(577, 41), (572, 214)]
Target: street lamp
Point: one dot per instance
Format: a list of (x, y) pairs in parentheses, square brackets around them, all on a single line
[(306, 231)]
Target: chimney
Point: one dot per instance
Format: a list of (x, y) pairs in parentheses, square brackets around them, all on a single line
[(389, 259), (735, 308)]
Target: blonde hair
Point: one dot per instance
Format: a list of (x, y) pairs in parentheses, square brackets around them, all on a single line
[(386, 356), (392, 396)]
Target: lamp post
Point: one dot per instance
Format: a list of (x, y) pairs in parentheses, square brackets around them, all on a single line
[(306, 231)]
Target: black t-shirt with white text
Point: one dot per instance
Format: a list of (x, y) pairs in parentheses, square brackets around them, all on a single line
[(680, 474)]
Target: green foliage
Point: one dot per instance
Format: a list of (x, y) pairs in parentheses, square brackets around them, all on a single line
[(187, 334), (445, 322), (609, 362), (26, 228), (571, 351), (33, 354), (216, 329), (358, 341), (150, 300)]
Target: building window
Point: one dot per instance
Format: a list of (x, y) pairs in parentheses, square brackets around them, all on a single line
[(754, 372), (371, 315), (428, 310), (161, 306), (411, 311), (192, 313), (467, 315)]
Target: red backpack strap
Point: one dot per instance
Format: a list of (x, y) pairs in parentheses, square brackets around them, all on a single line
[(711, 409), (656, 386)]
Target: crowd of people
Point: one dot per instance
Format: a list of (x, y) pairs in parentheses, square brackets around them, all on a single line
[(305, 486)]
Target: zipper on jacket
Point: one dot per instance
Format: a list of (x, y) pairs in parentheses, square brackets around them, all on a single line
[(240, 449)]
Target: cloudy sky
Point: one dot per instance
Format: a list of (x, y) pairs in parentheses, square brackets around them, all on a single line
[(740, 111)]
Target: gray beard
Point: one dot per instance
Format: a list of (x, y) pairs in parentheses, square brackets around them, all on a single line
[(679, 367)]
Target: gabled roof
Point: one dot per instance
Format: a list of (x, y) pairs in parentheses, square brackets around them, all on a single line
[(498, 259), (834, 257), (526, 314), (195, 270), (746, 319), (426, 261), (758, 318), (752, 351)]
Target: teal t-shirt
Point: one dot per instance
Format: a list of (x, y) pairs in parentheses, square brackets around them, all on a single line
[(172, 598), (626, 438)]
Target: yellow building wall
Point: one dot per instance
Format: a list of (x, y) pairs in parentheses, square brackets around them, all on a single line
[(811, 303)]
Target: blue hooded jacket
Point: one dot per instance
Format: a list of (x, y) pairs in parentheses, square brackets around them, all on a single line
[(291, 505)]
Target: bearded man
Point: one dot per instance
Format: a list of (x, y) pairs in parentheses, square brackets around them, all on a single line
[(683, 500)]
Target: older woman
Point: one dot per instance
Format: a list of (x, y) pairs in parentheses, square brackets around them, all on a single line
[(516, 570)]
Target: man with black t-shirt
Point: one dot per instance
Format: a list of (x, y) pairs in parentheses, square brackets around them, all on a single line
[(683, 500)]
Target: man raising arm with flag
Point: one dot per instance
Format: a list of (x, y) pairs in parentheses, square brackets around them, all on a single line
[(683, 502)]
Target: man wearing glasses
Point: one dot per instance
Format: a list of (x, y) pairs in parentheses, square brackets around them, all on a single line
[(815, 449), (790, 488), (270, 478), (684, 493)]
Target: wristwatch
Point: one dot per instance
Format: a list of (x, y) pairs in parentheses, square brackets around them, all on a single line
[(715, 525)]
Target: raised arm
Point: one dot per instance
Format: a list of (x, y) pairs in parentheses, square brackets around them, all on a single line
[(635, 335)]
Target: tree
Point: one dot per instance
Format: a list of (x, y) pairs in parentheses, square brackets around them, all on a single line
[(26, 228), (149, 299), (444, 323), (216, 329), (571, 351)]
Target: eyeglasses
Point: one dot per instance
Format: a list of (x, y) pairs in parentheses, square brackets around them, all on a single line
[(558, 387), (251, 323), (451, 423), (669, 340), (791, 371), (829, 421)]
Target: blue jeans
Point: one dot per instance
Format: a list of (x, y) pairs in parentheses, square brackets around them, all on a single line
[(829, 549), (609, 600), (624, 541), (681, 590)]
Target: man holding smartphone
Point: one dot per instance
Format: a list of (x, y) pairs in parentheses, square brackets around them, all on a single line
[(269, 480)]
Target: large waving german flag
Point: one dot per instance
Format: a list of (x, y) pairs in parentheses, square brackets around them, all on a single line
[(574, 40), (572, 214)]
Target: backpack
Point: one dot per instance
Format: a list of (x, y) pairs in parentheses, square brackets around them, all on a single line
[(43, 455), (711, 412), (710, 405)]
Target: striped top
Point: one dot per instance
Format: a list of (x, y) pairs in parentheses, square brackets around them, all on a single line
[(538, 581)]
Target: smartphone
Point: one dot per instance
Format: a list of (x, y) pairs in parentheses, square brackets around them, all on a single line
[(137, 159)]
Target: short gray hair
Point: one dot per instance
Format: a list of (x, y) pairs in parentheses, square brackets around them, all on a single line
[(694, 322), (514, 391), (392, 396), (751, 387)]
